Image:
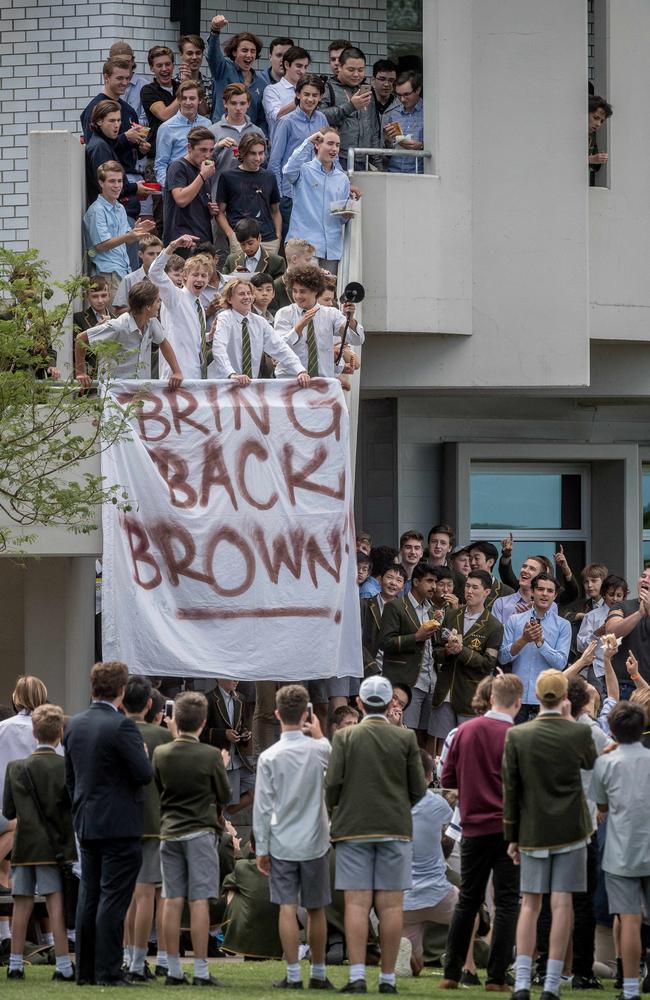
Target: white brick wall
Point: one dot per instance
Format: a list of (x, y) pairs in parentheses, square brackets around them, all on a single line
[(51, 57)]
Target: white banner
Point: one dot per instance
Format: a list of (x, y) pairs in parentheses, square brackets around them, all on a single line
[(238, 557)]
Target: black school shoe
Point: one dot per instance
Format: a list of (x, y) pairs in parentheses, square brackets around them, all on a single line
[(15, 973), (206, 981), (284, 984), (320, 984), (356, 986), (175, 981), (387, 988)]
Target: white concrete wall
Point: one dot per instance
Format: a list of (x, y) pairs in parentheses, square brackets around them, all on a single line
[(620, 235), (496, 244)]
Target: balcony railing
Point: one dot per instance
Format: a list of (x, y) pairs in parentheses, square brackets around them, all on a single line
[(367, 152)]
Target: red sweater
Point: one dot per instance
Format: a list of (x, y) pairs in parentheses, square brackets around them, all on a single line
[(473, 766)]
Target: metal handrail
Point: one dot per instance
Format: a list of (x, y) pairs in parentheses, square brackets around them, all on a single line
[(367, 151)]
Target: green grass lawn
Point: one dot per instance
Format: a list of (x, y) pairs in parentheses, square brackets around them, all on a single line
[(246, 979)]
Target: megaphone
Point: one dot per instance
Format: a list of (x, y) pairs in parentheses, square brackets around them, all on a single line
[(353, 292)]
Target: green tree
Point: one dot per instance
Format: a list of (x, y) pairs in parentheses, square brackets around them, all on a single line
[(47, 427)]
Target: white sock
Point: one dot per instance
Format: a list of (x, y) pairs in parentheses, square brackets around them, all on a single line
[(127, 956), (387, 977), (201, 970), (554, 968), (48, 939), (174, 967), (318, 971), (357, 972), (72, 934), (523, 970), (161, 959), (64, 966), (137, 962), (5, 930), (630, 987), (293, 972), (15, 962)]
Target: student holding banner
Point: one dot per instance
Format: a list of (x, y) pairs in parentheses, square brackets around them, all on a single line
[(240, 338)]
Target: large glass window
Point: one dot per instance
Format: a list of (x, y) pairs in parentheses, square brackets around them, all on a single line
[(543, 505)]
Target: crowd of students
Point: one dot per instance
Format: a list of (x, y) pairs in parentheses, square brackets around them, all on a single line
[(242, 170), (490, 768)]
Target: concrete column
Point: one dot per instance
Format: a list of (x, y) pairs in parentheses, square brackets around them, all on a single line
[(56, 206), (79, 632)]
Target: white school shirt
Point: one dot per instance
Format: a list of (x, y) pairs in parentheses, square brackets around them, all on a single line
[(328, 324), (121, 297), (227, 346), (134, 360), (180, 321)]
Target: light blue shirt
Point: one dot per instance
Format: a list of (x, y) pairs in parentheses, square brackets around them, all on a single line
[(429, 883), (504, 607), (290, 131), (314, 190), (531, 660), (370, 587), (412, 123), (102, 222), (171, 141)]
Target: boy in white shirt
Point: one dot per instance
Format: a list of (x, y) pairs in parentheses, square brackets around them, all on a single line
[(292, 832), (311, 329), (149, 247), (182, 314), (134, 331), (241, 338)]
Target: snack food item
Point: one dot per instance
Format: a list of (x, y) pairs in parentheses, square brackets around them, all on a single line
[(431, 625)]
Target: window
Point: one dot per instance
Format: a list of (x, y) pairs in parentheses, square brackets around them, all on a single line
[(542, 504), (646, 512)]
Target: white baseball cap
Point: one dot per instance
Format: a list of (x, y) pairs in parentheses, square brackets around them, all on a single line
[(376, 691)]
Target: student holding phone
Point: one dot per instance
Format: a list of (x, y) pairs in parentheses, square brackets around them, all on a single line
[(225, 729)]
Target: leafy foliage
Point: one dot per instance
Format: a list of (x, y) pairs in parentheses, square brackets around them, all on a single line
[(47, 427)]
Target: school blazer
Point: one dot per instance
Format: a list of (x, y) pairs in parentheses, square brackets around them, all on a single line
[(269, 263), (460, 675), (543, 801), (370, 634), (217, 722), (402, 653)]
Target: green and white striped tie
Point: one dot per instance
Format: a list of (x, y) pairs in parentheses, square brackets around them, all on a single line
[(312, 350)]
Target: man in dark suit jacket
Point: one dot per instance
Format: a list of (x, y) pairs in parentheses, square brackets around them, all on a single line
[(107, 767)]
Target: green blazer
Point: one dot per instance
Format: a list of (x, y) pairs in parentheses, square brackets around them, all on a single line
[(460, 675), (269, 263), (373, 779), (153, 736), (193, 786), (402, 654), (31, 843), (544, 805), (251, 919), (499, 589), (370, 633)]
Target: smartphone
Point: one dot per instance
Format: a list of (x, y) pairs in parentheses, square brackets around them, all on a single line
[(310, 712), (169, 709)]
